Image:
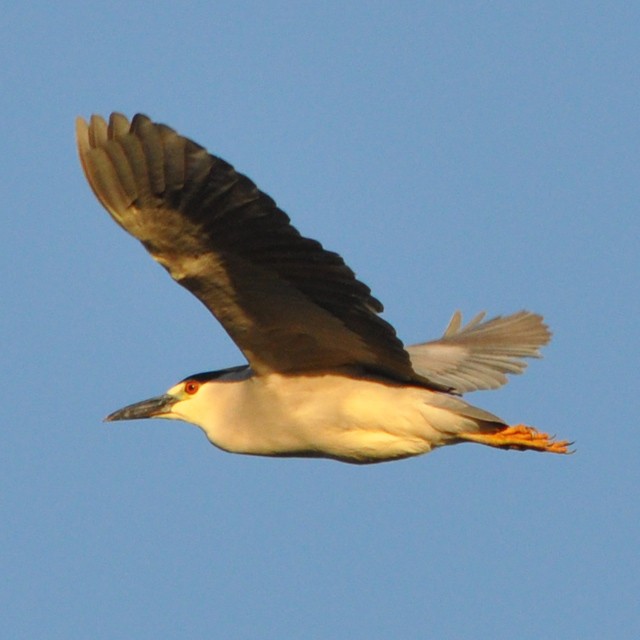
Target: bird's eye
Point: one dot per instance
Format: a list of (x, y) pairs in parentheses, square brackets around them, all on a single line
[(191, 386)]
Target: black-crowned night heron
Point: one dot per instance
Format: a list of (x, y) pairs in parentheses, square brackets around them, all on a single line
[(327, 376)]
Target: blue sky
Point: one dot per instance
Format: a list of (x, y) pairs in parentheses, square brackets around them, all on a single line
[(459, 155)]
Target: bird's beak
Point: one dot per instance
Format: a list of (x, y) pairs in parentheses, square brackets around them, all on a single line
[(152, 408)]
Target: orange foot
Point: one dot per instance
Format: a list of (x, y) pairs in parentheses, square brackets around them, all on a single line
[(520, 437)]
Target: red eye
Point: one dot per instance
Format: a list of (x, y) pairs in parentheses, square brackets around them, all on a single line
[(191, 386)]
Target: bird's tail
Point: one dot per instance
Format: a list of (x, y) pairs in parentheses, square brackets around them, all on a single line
[(460, 421)]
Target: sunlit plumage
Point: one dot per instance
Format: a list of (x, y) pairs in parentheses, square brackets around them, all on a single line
[(326, 375)]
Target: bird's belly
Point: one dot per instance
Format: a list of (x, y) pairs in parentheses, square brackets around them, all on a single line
[(336, 417)]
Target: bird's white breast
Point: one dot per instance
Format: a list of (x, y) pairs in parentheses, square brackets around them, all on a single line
[(355, 419)]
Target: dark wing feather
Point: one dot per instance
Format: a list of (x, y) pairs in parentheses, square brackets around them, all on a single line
[(289, 305)]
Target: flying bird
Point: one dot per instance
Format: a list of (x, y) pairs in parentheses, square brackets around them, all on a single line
[(326, 377)]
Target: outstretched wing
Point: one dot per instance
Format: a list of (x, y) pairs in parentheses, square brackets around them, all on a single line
[(478, 355), (289, 305)]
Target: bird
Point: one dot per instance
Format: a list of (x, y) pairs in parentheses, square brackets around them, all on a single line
[(325, 375)]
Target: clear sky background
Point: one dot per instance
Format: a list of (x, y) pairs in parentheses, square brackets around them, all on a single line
[(465, 155)]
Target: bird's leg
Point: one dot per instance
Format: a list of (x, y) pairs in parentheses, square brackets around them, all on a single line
[(520, 437)]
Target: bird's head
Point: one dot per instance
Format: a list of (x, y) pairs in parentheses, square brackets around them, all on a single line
[(191, 400)]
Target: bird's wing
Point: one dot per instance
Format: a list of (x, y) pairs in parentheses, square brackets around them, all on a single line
[(479, 354), (289, 305)]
